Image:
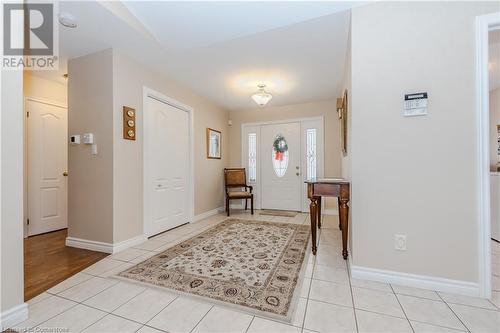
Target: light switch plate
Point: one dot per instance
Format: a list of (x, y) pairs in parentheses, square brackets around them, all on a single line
[(88, 138)]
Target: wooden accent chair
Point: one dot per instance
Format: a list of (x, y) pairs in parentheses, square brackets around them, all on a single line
[(237, 178)]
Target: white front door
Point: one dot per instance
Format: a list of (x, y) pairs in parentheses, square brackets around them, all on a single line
[(166, 156), (47, 147), (281, 174)]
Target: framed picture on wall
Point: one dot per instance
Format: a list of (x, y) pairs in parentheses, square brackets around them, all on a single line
[(214, 138), (342, 108)]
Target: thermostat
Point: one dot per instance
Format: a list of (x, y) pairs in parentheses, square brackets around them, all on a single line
[(74, 139), (415, 105), (88, 138)]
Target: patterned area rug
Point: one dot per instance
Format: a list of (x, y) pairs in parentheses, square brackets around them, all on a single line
[(252, 264), (284, 213)]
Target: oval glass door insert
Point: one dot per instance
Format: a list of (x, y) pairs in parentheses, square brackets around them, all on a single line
[(279, 155)]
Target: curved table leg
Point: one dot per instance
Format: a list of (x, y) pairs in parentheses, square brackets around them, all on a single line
[(344, 218), (338, 202), (313, 209), (319, 213)]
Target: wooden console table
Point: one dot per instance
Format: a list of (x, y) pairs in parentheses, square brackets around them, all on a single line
[(329, 187)]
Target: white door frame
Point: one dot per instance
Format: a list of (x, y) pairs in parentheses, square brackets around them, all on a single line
[(321, 166), (484, 24), (150, 93), (25, 153)]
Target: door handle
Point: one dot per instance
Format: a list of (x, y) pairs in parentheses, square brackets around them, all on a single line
[(298, 174), (65, 173)]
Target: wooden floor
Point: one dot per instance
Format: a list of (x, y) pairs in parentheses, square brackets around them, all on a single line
[(47, 261)]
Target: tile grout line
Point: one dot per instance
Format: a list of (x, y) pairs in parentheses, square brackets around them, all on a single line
[(449, 307), (107, 313), (352, 299), (149, 320), (402, 308), (89, 306), (54, 294), (142, 292), (309, 291), (251, 321), (202, 318), (44, 321), (476, 307), (436, 325)]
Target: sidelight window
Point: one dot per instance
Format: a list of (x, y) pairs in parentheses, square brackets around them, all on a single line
[(311, 153), (252, 157)]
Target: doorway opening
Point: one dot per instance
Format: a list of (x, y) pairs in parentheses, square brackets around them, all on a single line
[(280, 156), (47, 259)]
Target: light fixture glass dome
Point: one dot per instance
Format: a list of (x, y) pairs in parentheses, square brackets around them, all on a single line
[(261, 97)]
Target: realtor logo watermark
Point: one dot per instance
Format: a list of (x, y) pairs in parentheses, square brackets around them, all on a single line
[(30, 36)]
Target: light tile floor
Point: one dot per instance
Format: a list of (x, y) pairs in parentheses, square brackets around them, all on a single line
[(331, 301)]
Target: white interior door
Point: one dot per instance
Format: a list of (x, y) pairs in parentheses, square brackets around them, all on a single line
[(166, 155), (281, 178), (47, 128)]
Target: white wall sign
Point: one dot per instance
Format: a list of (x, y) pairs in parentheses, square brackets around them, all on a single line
[(415, 105)]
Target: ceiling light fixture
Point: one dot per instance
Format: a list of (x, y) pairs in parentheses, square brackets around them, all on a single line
[(68, 20), (261, 97)]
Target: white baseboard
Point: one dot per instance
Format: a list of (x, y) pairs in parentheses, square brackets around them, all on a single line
[(416, 281), (129, 243), (104, 247), (212, 212), (13, 316)]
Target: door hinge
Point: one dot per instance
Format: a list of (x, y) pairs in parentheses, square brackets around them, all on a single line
[(27, 221), (27, 114)]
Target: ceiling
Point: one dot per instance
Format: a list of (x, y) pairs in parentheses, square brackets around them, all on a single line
[(221, 50), (494, 59)]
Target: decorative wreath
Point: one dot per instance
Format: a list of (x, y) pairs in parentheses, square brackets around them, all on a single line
[(280, 147), (280, 144)]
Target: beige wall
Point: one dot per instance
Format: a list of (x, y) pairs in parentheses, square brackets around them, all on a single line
[(415, 176), (494, 121), (11, 203), (41, 88), (346, 84), (90, 181), (129, 79), (105, 191)]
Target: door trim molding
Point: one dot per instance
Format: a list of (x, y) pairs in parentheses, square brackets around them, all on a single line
[(26, 99), (484, 24), (150, 93), (243, 161)]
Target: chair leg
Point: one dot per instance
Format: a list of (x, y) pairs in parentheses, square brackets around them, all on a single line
[(227, 206), (246, 203), (251, 204)]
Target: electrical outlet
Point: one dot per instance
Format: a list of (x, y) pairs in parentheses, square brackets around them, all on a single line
[(400, 242)]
